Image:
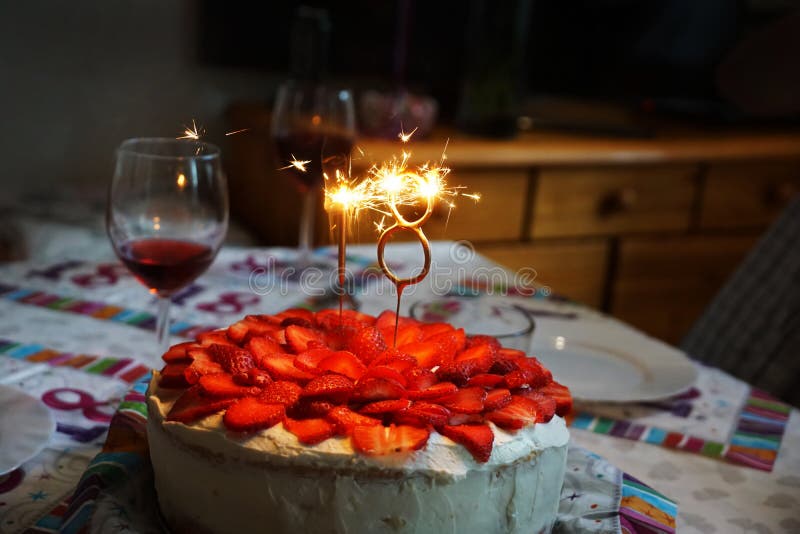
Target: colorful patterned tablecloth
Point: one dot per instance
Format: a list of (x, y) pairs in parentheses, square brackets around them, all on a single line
[(78, 333)]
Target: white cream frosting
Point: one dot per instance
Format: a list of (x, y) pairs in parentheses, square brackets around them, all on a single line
[(224, 482), (440, 456)]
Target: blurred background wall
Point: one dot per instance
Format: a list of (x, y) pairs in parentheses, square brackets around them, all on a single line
[(78, 77)]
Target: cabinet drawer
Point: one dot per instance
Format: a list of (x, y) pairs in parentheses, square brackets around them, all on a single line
[(663, 285), (603, 201), (497, 216), (749, 194), (576, 269)]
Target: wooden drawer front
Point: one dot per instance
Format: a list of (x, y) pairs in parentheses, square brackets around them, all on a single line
[(749, 194), (663, 285), (576, 269), (602, 201), (497, 216)]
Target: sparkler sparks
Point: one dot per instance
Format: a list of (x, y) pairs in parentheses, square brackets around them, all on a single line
[(300, 165), (193, 133), (234, 132), (404, 137)]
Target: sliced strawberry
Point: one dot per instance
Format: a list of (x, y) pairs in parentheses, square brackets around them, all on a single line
[(309, 360), (435, 391), (281, 367), (450, 343), (423, 414), (255, 377), (474, 341), (385, 372), (518, 413), (173, 375), (178, 353), (465, 419), (396, 359), (511, 354), (383, 440), (477, 439), (496, 399), (485, 380), (477, 352), (344, 363), (410, 333), (192, 406), (431, 329), (503, 365), (367, 344), (561, 395), (350, 320), (263, 347), (299, 337), (202, 364), (418, 378), (547, 404), (384, 407), (281, 392), (310, 408), (295, 316), (387, 319), (250, 414), (460, 372), (530, 373), (234, 360), (345, 419), (222, 385), (310, 431), (375, 389), (427, 353), (336, 388), (466, 400), (250, 326), (218, 337)]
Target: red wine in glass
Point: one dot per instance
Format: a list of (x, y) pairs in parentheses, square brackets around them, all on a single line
[(165, 265), (322, 149)]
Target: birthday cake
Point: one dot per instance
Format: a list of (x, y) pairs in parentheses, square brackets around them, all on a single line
[(316, 422)]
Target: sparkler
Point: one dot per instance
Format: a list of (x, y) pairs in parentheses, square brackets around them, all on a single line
[(385, 189)]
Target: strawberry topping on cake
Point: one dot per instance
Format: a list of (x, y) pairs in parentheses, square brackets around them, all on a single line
[(322, 376)]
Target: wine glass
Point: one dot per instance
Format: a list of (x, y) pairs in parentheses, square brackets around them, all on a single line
[(167, 214), (315, 124)]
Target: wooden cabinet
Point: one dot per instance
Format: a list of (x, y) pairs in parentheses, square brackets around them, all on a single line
[(611, 200), (748, 194), (663, 284), (577, 268)]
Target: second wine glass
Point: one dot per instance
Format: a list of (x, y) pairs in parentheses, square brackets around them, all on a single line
[(315, 124), (167, 214)]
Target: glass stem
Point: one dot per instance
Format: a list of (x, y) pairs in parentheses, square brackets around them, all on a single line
[(162, 323), (307, 227)]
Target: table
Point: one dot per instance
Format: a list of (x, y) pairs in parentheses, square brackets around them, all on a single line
[(84, 324)]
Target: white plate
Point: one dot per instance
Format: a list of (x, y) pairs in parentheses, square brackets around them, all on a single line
[(602, 359), (25, 428)]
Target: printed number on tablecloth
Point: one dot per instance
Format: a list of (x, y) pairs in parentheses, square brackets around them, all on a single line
[(229, 303), (186, 293), (55, 271), (106, 274), (251, 264), (63, 399)]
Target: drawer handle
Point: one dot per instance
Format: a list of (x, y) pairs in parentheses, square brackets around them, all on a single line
[(619, 201), (778, 195)]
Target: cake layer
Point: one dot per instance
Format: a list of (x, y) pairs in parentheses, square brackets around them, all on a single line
[(209, 480)]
